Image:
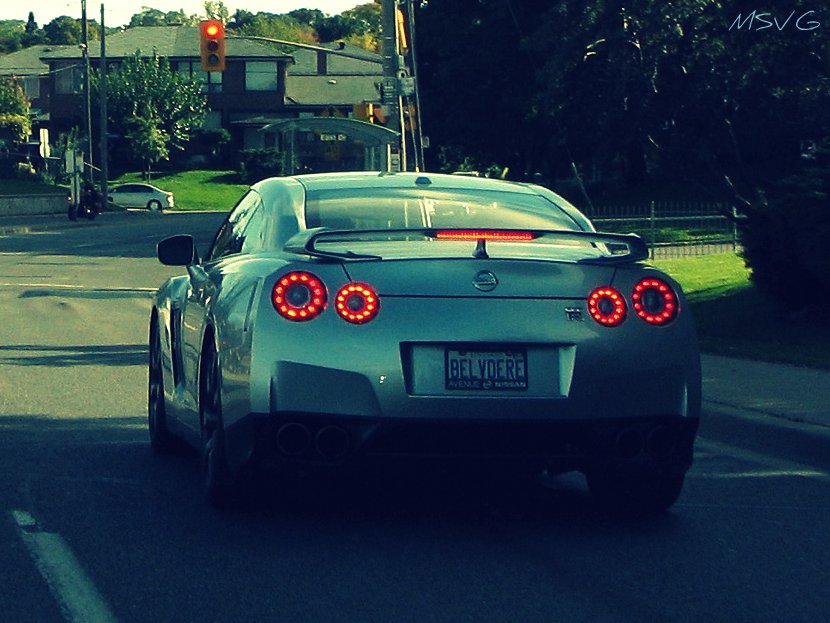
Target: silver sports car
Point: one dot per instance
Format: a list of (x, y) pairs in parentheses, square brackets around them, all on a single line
[(348, 316)]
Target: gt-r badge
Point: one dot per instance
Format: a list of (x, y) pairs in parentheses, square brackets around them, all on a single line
[(574, 313), (485, 281)]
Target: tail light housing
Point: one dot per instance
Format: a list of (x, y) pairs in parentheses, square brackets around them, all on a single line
[(655, 301), (607, 306), (357, 303), (299, 296)]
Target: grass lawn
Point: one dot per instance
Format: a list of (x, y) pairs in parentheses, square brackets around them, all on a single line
[(734, 318), (23, 186), (195, 190)]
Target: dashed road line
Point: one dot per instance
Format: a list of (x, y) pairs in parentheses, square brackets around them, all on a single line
[(79, 600), (773, 467)]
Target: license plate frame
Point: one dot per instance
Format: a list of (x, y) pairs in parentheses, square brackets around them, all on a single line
[(483, 369)]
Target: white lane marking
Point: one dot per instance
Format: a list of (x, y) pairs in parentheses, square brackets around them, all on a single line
[(79, 600), (66, 286), (774, 466)]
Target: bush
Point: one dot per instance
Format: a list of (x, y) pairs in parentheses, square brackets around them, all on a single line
[(258, 164), (785, 242)]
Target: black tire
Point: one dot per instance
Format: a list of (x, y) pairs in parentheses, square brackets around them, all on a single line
[(634, 491), (161, 441), (219, 487), (154, 205), (72, 212)]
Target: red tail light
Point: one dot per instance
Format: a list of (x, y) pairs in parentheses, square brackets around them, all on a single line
[(357, 303), (483, 234), (299, 296), (607, 306), (655, 301)]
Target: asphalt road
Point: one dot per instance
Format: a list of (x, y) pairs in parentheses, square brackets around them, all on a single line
[(94, 528)]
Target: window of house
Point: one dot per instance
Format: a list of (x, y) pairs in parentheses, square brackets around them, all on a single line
[(31, 86), (211, 81), (261, 76), (68, 78)]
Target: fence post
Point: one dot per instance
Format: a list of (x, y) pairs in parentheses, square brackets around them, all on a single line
[(652, 217)]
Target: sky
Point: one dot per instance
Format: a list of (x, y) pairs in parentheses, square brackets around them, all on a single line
[(119, 12)]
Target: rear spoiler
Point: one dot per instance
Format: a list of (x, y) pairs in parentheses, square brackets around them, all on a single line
[(615, 248)]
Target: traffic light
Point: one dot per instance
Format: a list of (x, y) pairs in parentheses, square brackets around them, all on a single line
[(212, 44)]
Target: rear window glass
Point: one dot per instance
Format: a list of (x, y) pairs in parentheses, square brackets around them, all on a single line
[(398, 208)]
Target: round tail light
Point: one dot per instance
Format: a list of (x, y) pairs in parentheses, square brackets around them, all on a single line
[(357, 303), (299, 296), (607, 306), (655, 301)]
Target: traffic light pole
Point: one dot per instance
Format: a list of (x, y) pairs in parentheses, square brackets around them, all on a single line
[(391, 64)]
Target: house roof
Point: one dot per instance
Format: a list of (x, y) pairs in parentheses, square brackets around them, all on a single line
[(167, 41), (26, 62), (330, 90), (305, 61)]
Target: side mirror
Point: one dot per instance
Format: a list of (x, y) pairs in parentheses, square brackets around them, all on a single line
[(177, 251)]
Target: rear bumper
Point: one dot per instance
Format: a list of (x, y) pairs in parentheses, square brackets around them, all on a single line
[(301, 438)]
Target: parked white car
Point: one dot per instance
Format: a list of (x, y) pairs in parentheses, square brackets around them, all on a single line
[(141, 196)]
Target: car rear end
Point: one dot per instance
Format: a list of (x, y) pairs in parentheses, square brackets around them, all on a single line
[(436, 367)]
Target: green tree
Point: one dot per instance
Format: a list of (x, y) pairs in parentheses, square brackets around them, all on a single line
[(11, 34), (368, 16), (63, 30), (155, 108), (15, 124), (32, 35), (216, 10), (148, 142), (282, 27), (154, 17), (306, 16)]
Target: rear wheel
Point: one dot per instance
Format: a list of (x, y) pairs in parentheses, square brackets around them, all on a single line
[(161, 441), (72, 212), (633, 490), (219, 487)]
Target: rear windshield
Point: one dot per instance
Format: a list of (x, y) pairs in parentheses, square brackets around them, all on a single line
[(399, 208)]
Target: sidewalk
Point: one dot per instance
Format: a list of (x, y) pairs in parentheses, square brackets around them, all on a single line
[(779, 390), (10, 225)]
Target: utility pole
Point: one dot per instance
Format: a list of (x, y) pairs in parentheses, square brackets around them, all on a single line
[(85, 48), (103, 106), (390, 96)]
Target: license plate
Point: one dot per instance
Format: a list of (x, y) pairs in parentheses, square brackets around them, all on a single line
[(488, 370)]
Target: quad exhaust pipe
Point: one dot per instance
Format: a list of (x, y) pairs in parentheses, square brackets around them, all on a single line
[(657, 442), (295, 440)]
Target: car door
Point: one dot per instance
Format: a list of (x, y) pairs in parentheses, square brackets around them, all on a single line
[(205, 284)]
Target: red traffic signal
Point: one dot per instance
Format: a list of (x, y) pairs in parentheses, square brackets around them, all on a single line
[(212, 45)]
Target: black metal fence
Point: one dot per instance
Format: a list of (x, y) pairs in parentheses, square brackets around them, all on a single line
[(673, 228)]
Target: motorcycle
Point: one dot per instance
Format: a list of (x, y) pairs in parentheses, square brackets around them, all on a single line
[(88, 207)]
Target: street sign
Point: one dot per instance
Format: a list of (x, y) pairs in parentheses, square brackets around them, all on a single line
[(44, 148)]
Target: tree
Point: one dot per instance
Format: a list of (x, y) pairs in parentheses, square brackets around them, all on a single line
[(154, 17), (11, 34), (32, 35), (15, 124), (337, 27), (63, 30), (282, 27), (216, 10), (155, 108), (307, 16)]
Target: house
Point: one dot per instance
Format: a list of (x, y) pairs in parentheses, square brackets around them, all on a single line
[(261, 85)]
